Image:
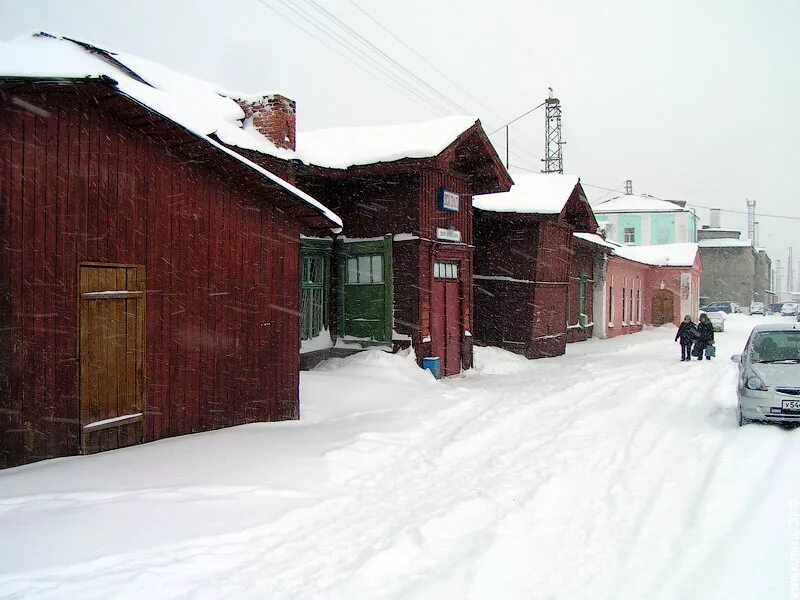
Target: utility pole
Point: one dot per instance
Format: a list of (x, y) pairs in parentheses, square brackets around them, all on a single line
[(751, 219), (553, 159), (628, 187)]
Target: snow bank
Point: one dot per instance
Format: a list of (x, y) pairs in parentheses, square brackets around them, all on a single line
[(617, 458), (533, 193)]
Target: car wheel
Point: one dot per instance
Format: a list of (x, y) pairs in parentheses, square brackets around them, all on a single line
[(742, 420)]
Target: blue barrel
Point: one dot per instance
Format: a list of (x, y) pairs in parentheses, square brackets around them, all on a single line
[(434, 365)]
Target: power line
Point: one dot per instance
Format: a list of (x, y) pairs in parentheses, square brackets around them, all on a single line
[(373, 48), (744, 212), (728, 210), (515, 119), (425, 60), (402, 88)]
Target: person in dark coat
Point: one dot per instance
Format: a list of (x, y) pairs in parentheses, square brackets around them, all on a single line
[(687, 334), (705, 336)]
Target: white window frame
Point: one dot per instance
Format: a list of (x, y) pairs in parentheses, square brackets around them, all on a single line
[(625, 232)]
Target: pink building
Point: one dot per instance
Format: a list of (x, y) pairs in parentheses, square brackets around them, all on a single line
[(644, 285)]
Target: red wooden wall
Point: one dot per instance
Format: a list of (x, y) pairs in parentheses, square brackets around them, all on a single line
[(221, 276)]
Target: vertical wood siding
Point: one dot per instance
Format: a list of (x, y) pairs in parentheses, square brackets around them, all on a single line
[(222, 280)]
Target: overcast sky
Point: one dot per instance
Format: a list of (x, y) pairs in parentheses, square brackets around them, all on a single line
[(691, 100)]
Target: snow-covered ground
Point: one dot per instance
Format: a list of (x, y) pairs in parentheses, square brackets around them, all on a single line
[(613, 472)]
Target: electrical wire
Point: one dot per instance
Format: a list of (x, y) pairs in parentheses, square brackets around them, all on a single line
[(380, 75), (426, 61), (368, 44)]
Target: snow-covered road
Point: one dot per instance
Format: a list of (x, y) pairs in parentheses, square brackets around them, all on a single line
[(613, 472)]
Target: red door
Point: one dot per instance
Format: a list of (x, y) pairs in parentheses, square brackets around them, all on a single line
[(446, 325)]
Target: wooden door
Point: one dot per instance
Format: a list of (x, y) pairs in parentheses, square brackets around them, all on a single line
[(663, 303), (452, 318), (446, 325), (112, 341)]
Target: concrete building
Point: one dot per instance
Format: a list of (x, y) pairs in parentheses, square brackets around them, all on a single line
[(733, 269)]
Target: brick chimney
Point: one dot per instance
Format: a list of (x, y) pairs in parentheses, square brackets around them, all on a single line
[(273, 116)]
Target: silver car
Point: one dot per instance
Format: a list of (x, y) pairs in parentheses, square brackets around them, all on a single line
[(769, 374)]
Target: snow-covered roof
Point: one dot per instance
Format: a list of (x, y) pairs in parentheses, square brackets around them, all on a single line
[(532, 193), (199, 106), (724, 243), (596, 239), (669, 255), (634, 203), (342, 147)]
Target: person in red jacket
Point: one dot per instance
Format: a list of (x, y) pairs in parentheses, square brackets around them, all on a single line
[(687, 334)]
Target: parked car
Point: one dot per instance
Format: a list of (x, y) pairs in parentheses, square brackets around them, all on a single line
[(726, 307), (757, 308), (769, 374), (717, 318), (789, 309)]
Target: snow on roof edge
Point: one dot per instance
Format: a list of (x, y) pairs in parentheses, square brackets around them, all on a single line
[(85, 64)]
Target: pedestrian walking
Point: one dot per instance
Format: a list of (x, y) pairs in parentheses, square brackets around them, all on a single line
[(705, 337), (687, 334)]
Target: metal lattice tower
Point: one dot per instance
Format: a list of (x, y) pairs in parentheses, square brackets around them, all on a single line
[(777, 286), (553, 159), (628, 187), (790, 285), (751, 219), (755, 234)]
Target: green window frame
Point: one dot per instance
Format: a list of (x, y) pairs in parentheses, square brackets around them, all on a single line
[(583, 318), (312, 296)]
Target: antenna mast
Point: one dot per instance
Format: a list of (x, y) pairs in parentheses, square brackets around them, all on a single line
[(751, 219), (553, 160)]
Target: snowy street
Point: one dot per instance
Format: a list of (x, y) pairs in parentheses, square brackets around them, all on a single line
[(615, 471)]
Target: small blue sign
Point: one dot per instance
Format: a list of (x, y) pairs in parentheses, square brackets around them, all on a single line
[(448, 200)]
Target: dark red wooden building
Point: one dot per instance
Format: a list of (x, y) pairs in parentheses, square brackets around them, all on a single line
[(532, 285), (148, 275), (400, 273)]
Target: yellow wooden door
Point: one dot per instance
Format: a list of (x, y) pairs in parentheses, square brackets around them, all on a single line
[(112, 339)]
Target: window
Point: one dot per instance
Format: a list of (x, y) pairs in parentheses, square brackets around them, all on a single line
[(624, 307), (630, 235), (611, 306), (639, 305), (365, 269), (445, 270), (582, 317), (630, 306), (312, 296)]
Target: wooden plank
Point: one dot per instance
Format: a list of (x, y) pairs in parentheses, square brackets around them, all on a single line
[(29, 284), (111, 294), (52, 427), (68, 367), (93, 182), (113, 423)]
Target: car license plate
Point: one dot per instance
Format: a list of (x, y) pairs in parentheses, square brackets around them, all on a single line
[(791, 405)]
